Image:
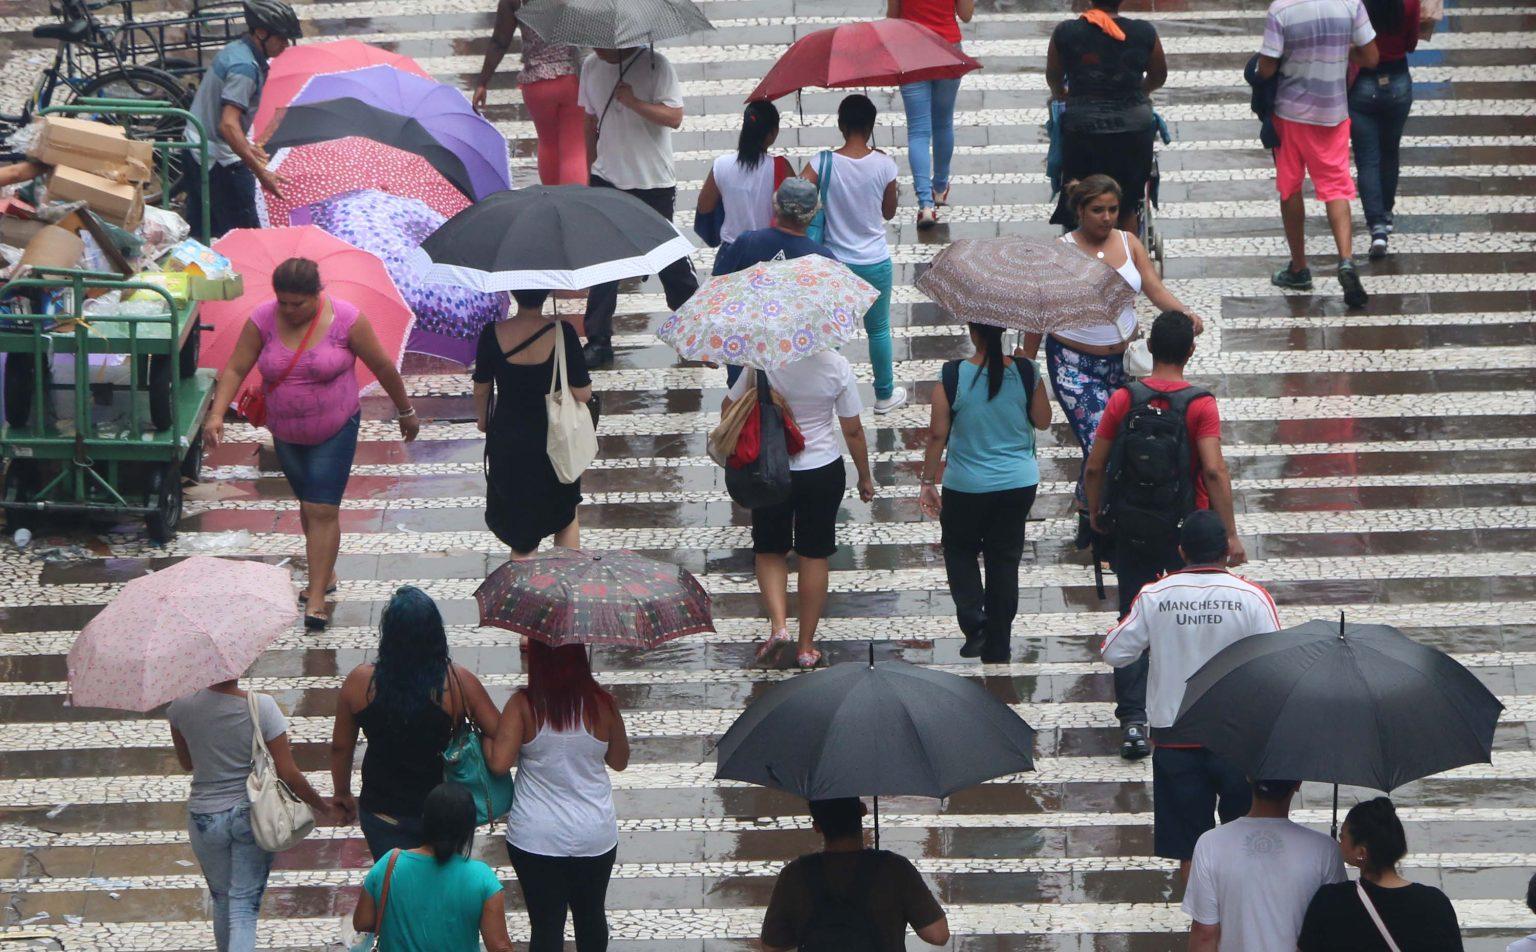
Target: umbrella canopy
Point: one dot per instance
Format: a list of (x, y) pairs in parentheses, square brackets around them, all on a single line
[(550, 237), (347, 272), (870, 53), (335, 118), (1026, 284), (771, 313), (567, 596), (448, 318), (612, 24), (323, 169), (442, 110), (291, 70), (887, 729), (1348, 704), (178, 630)]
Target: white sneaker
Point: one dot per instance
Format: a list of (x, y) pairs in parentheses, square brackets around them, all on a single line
[(896, 399)]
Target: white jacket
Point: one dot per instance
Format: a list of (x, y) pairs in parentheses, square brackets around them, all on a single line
[(1185, 618)]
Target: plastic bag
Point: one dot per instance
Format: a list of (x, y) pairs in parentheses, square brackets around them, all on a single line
[(160, 230)]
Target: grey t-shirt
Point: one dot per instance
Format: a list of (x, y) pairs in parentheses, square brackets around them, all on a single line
[(217, 728), (234, 78)]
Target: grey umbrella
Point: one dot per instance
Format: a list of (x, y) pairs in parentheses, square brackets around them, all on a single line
[(612, 24), (1363, 705), (873, 730)]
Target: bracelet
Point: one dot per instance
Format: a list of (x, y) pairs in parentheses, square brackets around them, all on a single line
[(405, 414), (925, 481)]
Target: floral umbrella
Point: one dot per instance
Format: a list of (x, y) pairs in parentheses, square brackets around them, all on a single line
[(323, 169), (569, 596), (770, 314), (448, 317)]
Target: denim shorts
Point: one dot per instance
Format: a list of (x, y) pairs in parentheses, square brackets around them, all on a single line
[(318, 473)]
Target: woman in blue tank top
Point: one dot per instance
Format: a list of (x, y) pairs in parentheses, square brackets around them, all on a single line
[(985, 410)]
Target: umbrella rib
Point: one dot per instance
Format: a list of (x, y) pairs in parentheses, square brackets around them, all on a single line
[(1379, 734)]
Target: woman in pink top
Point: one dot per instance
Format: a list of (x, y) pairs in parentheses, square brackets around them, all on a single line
[(549, 84), (307, 347)]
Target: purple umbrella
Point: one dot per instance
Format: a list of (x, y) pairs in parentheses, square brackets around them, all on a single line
[(441, 110), (448, 317)]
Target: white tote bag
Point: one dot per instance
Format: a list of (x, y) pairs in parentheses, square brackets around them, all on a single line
[(572, 442), (278, 818)]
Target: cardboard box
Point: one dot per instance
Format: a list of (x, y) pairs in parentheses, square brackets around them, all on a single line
[(200, 288), (120, 204), (96, 147), (18, 233), (54, 247)]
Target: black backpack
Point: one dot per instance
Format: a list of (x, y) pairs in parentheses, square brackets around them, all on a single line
[(949, 376), (1150, 485), (765, 481), (840, 923)]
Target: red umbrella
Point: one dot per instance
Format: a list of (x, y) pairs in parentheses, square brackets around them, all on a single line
[(347, 272), (871, 53), (327, 169), (293, 68)]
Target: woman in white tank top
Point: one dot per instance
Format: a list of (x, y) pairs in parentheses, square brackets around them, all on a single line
[(563, 732), (744, 180), (1087, 364)]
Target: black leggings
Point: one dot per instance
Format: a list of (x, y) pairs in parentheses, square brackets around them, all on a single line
[(552, 884)]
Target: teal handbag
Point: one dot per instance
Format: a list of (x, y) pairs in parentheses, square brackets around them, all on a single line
[(817, 229), (464, 764)]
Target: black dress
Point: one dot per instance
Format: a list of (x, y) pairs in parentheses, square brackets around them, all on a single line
[(524, 500)]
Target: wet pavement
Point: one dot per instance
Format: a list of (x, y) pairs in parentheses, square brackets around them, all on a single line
[(1383, 463)]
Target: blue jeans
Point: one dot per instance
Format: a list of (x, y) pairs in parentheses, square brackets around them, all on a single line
[(877, 324), (1378, 109), (930, 110), (319, 473), (236, 870)]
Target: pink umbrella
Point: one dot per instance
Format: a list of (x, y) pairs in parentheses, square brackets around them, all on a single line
[(291, 70), (347, 272), (175, 631), (327, 169)]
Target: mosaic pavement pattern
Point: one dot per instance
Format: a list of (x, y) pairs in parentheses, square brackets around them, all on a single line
[(1383, 461)]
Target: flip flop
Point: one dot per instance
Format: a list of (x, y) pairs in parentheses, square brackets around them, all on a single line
[(314, 622), (808, 659), (770, 648)]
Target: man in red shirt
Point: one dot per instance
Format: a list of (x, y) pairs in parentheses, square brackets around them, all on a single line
[(1172, 343)]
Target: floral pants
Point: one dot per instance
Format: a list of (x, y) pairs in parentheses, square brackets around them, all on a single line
[(1083, 384)]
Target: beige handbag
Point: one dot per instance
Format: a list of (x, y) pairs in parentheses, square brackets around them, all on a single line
[(722, 439), (572, 441), (279, 819)]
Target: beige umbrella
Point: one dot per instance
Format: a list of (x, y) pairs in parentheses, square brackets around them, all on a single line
[(1025, 284)]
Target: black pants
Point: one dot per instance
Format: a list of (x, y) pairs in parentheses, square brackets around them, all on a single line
[(1134, 567), (991, 526), (231, 201), (552, 884), (677, 278), (394, 833)]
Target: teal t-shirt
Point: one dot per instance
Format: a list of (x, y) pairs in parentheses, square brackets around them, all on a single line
[(991, 442), (432, 908)]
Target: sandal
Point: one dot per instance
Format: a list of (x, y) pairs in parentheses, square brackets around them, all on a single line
[(776, 640), (316, 621), (808, 659), (941, 199), (304, 595)]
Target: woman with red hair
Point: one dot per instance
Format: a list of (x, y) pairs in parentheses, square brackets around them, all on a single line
[(562, 732)]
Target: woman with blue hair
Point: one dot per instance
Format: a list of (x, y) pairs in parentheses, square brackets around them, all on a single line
[(406, 702)]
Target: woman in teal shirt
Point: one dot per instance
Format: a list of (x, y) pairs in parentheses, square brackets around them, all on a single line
[(439, 899), (989, 483)]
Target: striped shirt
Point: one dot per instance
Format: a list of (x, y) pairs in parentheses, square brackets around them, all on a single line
[(1312, 39)]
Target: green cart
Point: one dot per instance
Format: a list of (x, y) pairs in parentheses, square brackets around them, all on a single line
[(119, 436)]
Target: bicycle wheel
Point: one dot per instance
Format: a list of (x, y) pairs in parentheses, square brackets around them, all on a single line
[(141, 82)]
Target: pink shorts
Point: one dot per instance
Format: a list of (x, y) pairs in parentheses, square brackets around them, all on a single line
[(1319, 151)]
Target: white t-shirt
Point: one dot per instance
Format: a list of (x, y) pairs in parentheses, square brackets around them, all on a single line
[(855, 223), (747, 194), (820, 390), (632, 152), (1255, 878), (1527, 944)]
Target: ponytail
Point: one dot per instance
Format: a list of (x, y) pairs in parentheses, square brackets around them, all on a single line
[(991, 338), (448, 821), (759, 124)]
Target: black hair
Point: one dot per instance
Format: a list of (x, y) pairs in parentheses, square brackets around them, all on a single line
[(1273, 791), (448, 821), (856, 115), (1530, 893), (296, 276), (412, 662), (1203, 537), (991, 338), (1084, 191), (1172, 339), (1386, 15), (839, 818), (1374, 826), (759, 123), (532, 300), (1113, 6)]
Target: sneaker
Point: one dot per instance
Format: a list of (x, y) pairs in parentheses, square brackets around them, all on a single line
[(896, 399), (1378, 246), (927, 217), (597, 353), (1134, 745), (1349, 280), (974, 643), (1293, 280)]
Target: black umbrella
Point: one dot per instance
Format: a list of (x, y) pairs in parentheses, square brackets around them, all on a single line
[(873, 730), (550, 237), (338, 118), (1363, 705)]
